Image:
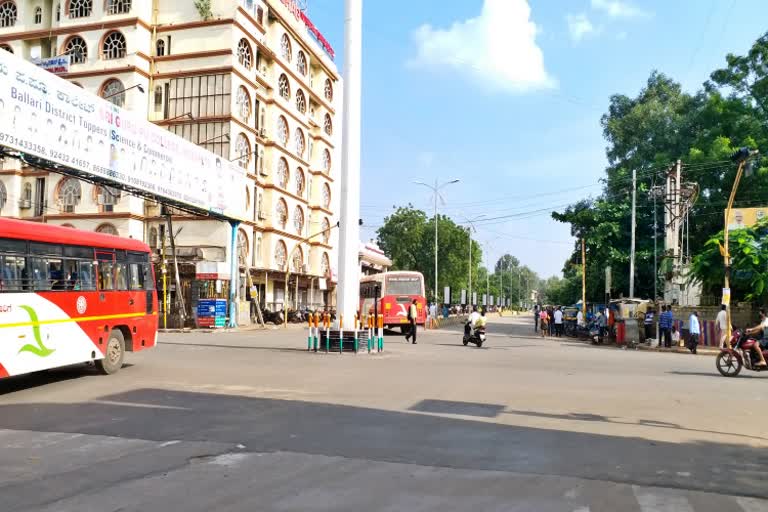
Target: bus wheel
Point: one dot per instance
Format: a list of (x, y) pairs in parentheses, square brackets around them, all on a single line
[(113, 359)]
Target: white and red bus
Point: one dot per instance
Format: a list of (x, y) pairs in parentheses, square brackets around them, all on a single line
[(70, 296), (396, 291)]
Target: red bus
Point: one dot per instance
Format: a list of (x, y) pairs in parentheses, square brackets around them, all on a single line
[(69, 296), (396, 290)]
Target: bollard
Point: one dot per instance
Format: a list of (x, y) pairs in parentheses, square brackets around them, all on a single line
[(309, 336), (381, 333), (341, 334), (368, 325), (317, 330), (327, 332), (356, 330)]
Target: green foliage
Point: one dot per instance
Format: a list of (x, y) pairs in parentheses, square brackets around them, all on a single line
[(204, 9)]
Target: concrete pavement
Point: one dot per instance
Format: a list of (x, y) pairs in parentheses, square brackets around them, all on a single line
[(250, 421)]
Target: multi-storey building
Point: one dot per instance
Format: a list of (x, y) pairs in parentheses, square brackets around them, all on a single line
[(252, 81)]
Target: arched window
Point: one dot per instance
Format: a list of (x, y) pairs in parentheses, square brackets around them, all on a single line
[(76, 49), (160, 48), (328, 89), (260, 15), (297, 262), (298, 219), (8, 14), (301, 101), (326, 196), (281, 254), (281, 211), (244, 54), (113, 91), (158, 98), (328, 124), (80, 8), (107, 229), (118, 6), (242, 247), (298, 139), (284, 87), (282, 173), (285, 48), (300, 182), (69, 195), (113, 46), (107, 198), (38, 15), (243, 150), (3, 195), (325, 265), (327, 161), (6, 48), (326, 230), (282, 130), (301, 63), (243, 102)]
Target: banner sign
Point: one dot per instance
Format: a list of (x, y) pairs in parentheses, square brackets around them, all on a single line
[(52, 119), (447, 295), (55, 65), (474, 298), (463, 297)]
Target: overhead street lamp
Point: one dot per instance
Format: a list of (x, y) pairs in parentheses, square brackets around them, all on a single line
[(470, 228), (137, 86), (436, 189)]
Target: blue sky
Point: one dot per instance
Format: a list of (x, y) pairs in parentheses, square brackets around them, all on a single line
[(506, 95)]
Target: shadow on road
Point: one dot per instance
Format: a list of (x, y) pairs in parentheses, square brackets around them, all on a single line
[(269, 425), (714, 373), (46, 377), (238, 347)]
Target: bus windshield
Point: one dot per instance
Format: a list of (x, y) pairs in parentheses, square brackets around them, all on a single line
[(404, 286)]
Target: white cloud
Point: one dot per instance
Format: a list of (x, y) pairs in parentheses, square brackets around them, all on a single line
[(618, 9), (497, 49), (579, 26)]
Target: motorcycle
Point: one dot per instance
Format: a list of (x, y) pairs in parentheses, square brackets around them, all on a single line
[(476, 336), (731, 360)]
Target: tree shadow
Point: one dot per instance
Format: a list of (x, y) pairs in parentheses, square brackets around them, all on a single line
[(714, 373), (272, 425)]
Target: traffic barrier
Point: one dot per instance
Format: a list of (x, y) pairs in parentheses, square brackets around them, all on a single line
[(381, 333), (309, 336), (327, 322), (356, 330), (341, 334), (317, 330)]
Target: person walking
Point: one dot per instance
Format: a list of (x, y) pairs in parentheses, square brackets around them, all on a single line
[(536, 311), (550, 321), (543, 320), (694, 330), (721, 325), (558, 322), (412, 313), (433, 315)]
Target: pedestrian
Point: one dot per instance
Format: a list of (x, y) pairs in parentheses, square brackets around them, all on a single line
[(536, 311), (544, 321), (721, 324), (558, 322), (649, 324), (412, 313), (694, 330), (675, 336), (433, 314), (550, 320), (665, 326)]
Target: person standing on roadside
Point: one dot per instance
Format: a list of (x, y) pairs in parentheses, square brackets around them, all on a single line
[(536, 311), (721, 324), (558, 322), (412, 313), (694, 330), (649, 324), (550, 320), (665, 324), (543, 320)]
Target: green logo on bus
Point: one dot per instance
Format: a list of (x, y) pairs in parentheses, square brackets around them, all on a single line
[(39, 350)]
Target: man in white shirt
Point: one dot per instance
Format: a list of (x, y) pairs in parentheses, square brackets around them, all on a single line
[(558, 322), (474, 317), (721, 322), (580, 319)]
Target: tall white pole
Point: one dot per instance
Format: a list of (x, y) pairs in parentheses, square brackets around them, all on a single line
[(632, 249), (469, 296), (435, 299), (348, 290)]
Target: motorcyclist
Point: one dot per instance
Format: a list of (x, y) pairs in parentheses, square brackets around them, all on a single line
[(474, 317), (761, 330), (481, 322)]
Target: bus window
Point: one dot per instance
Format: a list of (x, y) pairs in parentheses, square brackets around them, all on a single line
[(70, 274), (146, 269), (121, 276), (39, 270), (12, 274), (137, 276), (86, 279), (106, 275), (404, 286)]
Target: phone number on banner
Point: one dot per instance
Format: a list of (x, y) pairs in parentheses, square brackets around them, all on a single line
[(12, 140)]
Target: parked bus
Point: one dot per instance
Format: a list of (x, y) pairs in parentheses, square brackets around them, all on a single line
[(69, 296), (396, 291)]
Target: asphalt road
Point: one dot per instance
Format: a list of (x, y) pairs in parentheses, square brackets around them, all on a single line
[(249, 422)]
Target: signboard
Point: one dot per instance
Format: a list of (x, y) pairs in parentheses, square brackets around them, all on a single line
[(447, 295), (491, 302), (745, 217), (485, 299), (463, 297), (55, 65), (474, 298), (47, 117), (726, 297)]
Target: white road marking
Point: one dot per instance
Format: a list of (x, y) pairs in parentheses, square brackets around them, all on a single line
[(169, 443), (661, 500), (752, 504)]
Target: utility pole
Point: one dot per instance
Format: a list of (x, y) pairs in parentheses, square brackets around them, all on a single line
[(655, 193), (583, 278), (469, 296), (632, 249), (179, 295)]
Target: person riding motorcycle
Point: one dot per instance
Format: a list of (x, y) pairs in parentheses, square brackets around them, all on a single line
[(481, 322), (760, 329)]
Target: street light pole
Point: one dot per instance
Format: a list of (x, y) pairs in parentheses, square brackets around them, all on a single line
[(436, 189)]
